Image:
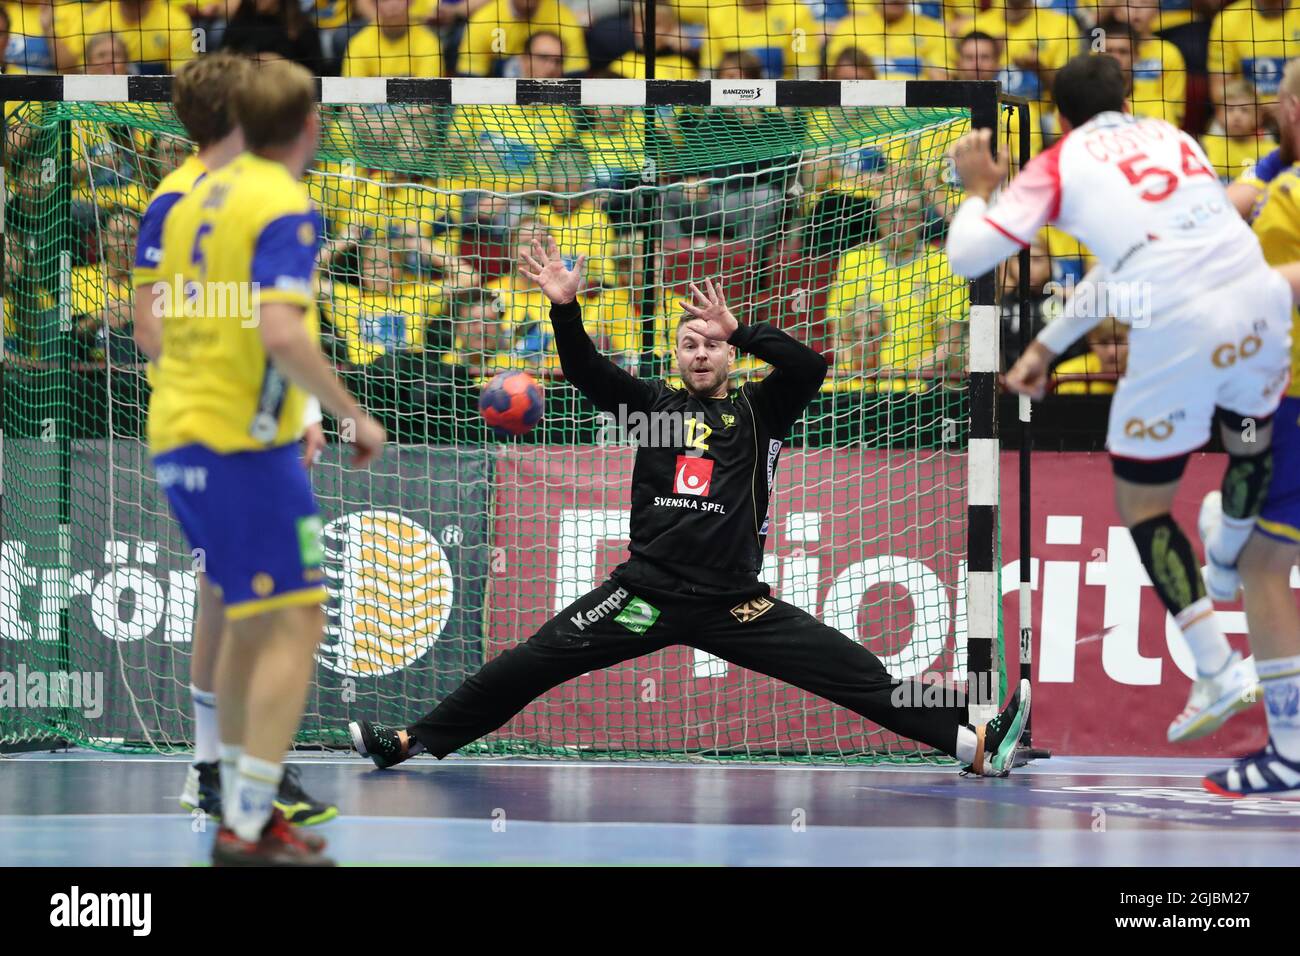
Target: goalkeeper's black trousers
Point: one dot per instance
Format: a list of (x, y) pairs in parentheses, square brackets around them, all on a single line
[(609, 625)]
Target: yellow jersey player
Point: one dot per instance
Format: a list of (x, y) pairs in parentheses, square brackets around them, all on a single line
[(201, 94), (240, 354), (1272, 550)]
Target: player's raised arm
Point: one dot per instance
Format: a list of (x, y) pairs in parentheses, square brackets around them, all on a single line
[(798, 371), (1084, 310), (593, 374), (981, 235)]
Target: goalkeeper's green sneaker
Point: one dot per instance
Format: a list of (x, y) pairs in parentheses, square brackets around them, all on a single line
[(381, 744), (998, 740), (299, 807)]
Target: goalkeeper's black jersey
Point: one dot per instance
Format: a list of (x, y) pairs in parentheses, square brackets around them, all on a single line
[(704, 471)]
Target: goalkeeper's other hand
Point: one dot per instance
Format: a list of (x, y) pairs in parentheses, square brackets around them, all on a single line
[(1029, 375)]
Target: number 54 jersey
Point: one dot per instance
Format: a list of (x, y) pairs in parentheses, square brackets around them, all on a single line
[(245, 236), (1143, 197)]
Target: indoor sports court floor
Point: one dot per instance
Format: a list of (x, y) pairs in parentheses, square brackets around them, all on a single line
[(90, 809)]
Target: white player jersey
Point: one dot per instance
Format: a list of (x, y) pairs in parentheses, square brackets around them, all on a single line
[(1141, 195)]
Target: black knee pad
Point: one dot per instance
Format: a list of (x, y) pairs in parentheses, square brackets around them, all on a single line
[(1168, 558), (1245, 484), (1236, 422), (1159, 471)]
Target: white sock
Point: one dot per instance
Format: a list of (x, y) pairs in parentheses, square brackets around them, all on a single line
[(1228, 538), (255, 786), (207, 739), (967, 743), (1281, 679), (229, 755), (1200, 626)]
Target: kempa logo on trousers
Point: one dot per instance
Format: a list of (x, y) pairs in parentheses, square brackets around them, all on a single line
[(613, 602), (75, 908)]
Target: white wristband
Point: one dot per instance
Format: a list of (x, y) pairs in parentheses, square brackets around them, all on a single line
[(311, 414)]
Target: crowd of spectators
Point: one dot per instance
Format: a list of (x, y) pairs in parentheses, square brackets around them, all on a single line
[(807, 226)]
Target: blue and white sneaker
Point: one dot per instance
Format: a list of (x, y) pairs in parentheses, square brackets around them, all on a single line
[(1264, 773), (203, 789), (1215, 699)]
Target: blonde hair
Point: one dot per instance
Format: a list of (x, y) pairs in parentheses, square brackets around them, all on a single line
[(273, 103), (203, 92), (1239, 92), (99, 39), (1110, 331)]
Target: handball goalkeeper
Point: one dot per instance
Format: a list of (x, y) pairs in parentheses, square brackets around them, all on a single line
[(699, 520)]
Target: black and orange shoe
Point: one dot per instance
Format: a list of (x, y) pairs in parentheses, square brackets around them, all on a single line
[(279, 845)]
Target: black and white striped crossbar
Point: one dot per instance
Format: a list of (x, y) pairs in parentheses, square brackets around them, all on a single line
[(978, 97)]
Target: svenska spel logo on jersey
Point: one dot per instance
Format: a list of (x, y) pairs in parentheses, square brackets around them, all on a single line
[(693, 476), (390, 593)]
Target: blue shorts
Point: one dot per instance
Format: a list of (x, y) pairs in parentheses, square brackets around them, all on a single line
[(1280, 517), (255, 519)]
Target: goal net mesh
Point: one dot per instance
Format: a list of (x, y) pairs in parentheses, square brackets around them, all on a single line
[(458, 543)]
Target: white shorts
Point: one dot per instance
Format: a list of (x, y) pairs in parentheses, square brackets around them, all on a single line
[(1230, 348)]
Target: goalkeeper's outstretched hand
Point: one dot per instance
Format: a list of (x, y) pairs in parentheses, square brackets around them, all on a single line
[(712, 319), (546, 267)]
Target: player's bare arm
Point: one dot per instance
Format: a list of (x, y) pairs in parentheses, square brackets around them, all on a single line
[(147, 327), (285, 338)]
